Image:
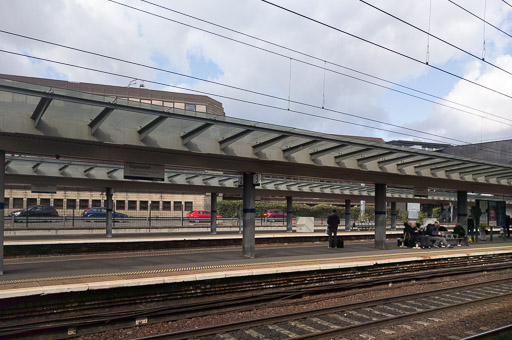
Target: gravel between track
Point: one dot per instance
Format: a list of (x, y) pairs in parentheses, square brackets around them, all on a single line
[(455, 325)]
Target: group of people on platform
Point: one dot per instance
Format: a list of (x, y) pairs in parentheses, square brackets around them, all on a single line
[(431, 236)]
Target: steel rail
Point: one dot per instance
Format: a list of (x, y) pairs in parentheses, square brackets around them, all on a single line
[(89, 315), (496, 333), (196, 333)]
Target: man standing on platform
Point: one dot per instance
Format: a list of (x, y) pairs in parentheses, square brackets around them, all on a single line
[(333, 221)]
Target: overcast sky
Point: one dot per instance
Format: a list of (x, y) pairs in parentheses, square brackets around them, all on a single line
[(471, 114)]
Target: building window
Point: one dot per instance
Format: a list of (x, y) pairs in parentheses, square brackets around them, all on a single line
[(132, 205), (71, 204), (6, 202), (96, 203), (31, 202), (17, 203), (120, 205), (143, 205), (58, 203), (190, 107), (166, 206), (45, 201), (177, 206), (189, 206), (155, 205), (83, 204)]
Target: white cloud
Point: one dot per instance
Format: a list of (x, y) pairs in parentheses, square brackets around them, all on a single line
[(479, 126), (114, 30)]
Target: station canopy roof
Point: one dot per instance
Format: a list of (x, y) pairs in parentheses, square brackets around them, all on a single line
[(42, 172), (41, 120)]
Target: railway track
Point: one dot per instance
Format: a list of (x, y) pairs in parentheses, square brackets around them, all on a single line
[(81, 314), (327, 323)]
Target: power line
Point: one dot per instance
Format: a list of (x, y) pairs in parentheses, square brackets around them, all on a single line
[(226, 85), (388, 49), (507, 3), (476, 16), (238, 99), (436, 37), (310, 64)]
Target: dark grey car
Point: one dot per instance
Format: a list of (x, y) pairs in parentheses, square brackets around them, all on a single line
[(36, 211)]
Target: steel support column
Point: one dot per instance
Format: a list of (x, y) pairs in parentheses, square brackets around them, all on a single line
[(2, 211), (249, 212), (289, 214), (213, 220), (347, 215), (462, 209), (109, 211), (393, 215), (380, 216)]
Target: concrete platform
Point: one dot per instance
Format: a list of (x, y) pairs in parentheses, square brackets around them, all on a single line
[(41, 245), (43, 275)]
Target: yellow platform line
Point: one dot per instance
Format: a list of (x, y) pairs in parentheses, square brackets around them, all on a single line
[(70, 258), (184, 269)]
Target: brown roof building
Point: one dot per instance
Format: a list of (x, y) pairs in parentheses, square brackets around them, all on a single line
[(183, 101)]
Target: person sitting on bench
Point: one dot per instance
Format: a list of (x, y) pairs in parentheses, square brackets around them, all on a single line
[(435, 235), (459, 232), (416, 236)]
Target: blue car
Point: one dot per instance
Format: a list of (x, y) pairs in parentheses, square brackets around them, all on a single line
[(101, 212)]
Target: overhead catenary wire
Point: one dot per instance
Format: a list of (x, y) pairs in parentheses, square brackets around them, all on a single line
[(310, 56), (356, 115), (479, 18), (288, 100), (238, 99), (435, 37), (391, 50), (131, 77)]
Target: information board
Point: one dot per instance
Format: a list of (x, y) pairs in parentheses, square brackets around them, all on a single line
[(149, 172)]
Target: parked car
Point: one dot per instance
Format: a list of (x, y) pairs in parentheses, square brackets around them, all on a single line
[(200, 215), (35, 211), (101, 212), (273, 214)]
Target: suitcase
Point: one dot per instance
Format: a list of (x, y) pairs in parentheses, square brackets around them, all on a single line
[(340, 243)]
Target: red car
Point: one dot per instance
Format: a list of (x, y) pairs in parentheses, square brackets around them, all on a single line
[(200, 215), (272, 214)]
